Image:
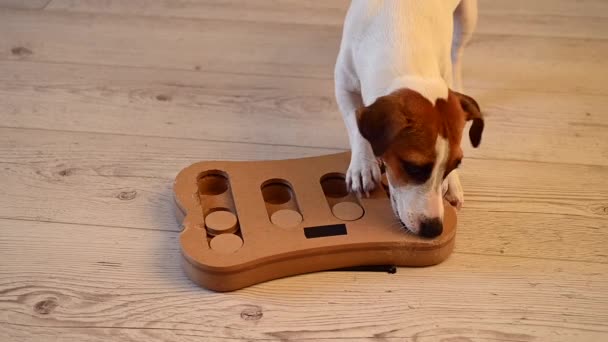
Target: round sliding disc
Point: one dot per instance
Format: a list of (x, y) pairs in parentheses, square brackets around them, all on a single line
[(226, 243), (347, 211), (286, 218), (220, 222)]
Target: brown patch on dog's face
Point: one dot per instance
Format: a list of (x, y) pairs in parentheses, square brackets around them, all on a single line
[(403, 127), (420, 145)]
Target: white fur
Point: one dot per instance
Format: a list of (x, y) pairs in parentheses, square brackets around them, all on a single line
[(415, 203), (452, 190), (392, 44)]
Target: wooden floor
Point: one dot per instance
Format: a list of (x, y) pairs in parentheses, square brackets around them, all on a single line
[(103, 102)]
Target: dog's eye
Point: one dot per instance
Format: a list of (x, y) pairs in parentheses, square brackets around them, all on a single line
[(418, 173)]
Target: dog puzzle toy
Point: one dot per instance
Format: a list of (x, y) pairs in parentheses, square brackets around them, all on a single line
[(254, 221)]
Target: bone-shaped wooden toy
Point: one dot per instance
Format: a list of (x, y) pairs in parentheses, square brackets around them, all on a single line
[(253, 221)]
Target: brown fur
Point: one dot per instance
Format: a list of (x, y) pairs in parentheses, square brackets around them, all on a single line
[(403, 126)]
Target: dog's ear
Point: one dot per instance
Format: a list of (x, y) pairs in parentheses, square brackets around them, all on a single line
[(471, 108), (381, 122)]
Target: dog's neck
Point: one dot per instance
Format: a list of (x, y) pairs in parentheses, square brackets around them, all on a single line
[(431, 89), (403, 44), (413, 61)]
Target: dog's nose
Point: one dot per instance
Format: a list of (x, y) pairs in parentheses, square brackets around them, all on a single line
[(431, 228)]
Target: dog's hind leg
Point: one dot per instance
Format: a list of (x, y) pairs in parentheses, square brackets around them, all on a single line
[(465, 21)]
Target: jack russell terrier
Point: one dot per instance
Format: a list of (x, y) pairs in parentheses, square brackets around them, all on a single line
[(397, 75)]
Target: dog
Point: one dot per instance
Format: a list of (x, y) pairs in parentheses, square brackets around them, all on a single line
[(398, 86)]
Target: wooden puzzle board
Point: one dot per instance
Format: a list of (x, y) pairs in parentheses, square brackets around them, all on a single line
[(248, 222)]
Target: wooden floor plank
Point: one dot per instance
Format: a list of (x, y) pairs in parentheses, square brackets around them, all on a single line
[(125, 181), (127, 284), (579, 8), (282, 11), (555, 18), (540, 25), (211, 106), (305, 11), (565, 65), (210, 45), (70, 183), (24, 4)]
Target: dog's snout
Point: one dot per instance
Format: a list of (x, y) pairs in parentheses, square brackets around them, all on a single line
[(431, 227)]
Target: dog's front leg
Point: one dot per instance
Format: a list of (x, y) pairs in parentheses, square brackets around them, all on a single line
[(452, 190), (364, 171)]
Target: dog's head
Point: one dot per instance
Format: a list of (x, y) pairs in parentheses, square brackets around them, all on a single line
[(419, 142)]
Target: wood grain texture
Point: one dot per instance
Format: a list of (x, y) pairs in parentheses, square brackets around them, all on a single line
[(103, 102), (551, 64), (281, 11), (24, 4), (554, 18), (303, 112), (126, 284), (137, 196), (579, 8), (132, 179)]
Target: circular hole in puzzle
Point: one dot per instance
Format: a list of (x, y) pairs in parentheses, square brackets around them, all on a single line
[(221, 221), (347, 211), (226, 243), (286, 218), (276, 193), (212, 184), (334, 186)]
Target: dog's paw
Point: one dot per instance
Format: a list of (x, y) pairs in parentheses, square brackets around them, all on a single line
[(452, 190), (363, 174)]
